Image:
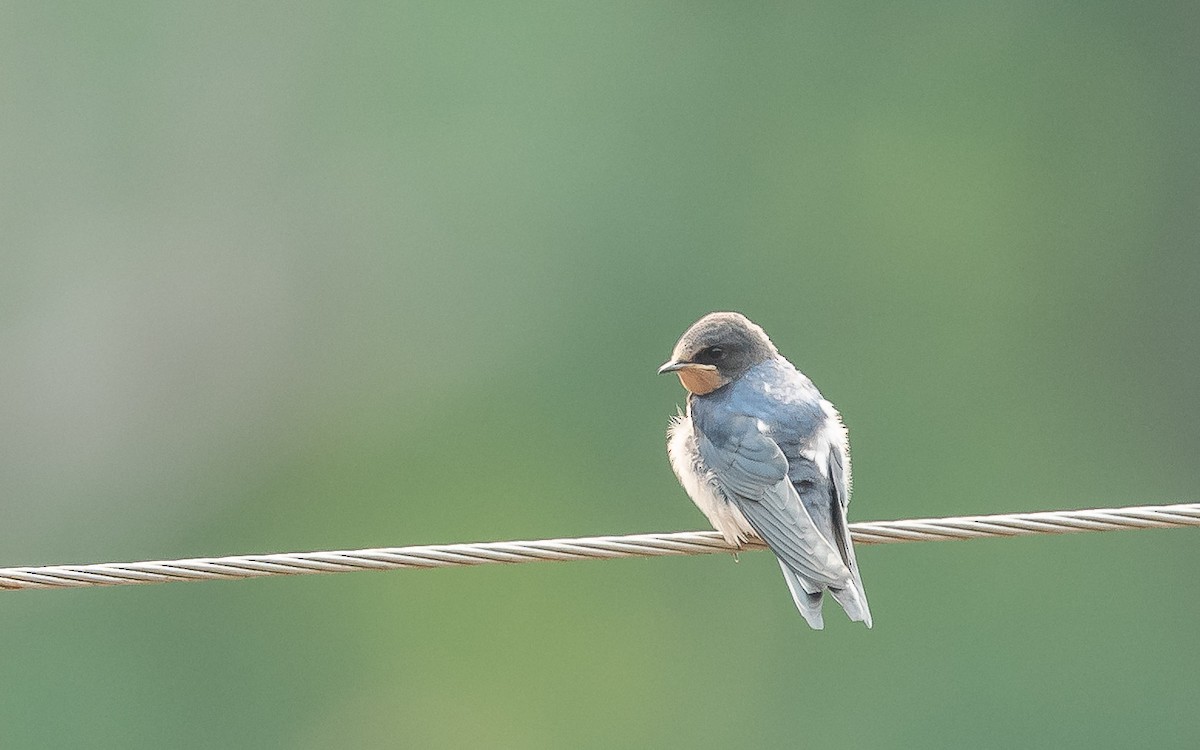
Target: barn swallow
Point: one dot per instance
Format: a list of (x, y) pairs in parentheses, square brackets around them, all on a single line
[(762, 454)]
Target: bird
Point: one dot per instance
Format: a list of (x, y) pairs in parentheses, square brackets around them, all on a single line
[(763, 454)]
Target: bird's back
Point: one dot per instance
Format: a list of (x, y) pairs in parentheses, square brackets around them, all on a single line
[(786, 407), (790, 410)]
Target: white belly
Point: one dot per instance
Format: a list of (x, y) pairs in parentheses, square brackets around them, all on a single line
[(685, 460)]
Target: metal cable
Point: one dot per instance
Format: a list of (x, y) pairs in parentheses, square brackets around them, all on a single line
[(586, 548)]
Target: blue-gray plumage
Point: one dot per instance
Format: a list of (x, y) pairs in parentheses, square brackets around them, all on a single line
[(761, 453)]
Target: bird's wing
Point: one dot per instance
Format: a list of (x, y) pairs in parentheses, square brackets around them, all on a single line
[(854, 598), (839, 476), (752, 472)]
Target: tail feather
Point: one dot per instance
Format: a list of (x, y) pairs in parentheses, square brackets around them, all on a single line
[(852, 600), (808, 598)]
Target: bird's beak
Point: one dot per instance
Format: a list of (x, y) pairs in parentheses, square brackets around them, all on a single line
[(676, 365)]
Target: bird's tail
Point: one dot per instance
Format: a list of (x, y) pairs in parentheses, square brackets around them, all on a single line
[(808, 597), (854, 600)]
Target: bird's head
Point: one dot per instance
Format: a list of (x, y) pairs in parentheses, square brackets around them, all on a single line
[(717, 350)]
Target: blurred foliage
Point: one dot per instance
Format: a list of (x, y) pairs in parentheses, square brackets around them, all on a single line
[(333, 276)]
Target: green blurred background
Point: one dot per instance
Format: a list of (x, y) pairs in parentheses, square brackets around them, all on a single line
[(324, 276)]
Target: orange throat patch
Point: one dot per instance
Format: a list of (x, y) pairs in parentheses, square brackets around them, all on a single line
[(700, 379)]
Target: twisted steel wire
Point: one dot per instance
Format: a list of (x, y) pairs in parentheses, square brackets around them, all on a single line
[(585, 548)]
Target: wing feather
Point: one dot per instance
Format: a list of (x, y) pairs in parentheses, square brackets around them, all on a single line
[(852, 598), (752, 472)]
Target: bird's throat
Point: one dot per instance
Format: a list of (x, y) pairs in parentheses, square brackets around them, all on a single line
[(700, 380)]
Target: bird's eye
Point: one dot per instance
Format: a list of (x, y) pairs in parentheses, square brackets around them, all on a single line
[(714, 353)]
